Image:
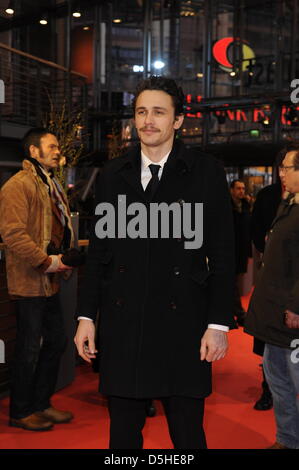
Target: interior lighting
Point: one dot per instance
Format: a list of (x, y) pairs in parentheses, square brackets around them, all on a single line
[(255, 133), (77, 14), (138, 68), (44, 20), (10, 10), (159, 64)]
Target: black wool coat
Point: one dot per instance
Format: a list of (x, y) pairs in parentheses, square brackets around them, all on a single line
[(242, 235), (263, 213), (277, 288), (155, 298)]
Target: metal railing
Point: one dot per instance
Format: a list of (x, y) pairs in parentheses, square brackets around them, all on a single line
[(29, 82)]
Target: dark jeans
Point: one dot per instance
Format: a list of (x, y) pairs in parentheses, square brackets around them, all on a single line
[(184, 417), (40, 343)]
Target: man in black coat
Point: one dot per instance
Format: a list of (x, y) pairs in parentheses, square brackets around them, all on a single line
[(165, 303), (241, 217), (273, 314), (263, 213)]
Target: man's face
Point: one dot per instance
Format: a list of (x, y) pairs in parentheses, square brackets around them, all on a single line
[(289, 176), (238, 191), (48, 154), (155, 119)]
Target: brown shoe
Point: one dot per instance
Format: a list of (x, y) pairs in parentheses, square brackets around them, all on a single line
[(277, 445), (56, 416), (32, 423)]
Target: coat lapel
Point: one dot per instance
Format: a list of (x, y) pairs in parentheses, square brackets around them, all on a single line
[(130, 170), (174, 172)]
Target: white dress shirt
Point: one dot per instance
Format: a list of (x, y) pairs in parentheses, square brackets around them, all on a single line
[(146, 175)]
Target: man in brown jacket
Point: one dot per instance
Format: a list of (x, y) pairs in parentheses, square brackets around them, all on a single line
[(35, 222)]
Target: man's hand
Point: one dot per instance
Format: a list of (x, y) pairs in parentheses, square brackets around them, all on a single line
[(57, 265), (214, 345), (86, 333), (291, 319)]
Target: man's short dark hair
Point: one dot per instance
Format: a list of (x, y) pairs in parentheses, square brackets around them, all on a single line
[(168, 85), (292, 147), (232, 185), (33, 137)]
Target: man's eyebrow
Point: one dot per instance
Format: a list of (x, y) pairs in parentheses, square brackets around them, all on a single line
[(154, 107)]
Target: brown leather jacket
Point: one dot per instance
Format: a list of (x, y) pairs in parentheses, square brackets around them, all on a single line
[(26, 227)]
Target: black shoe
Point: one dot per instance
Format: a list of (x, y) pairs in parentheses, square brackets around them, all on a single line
[(265, 402), (151, 410)]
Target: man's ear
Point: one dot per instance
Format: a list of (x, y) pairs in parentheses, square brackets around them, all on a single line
[(178, 121), (33, 151)]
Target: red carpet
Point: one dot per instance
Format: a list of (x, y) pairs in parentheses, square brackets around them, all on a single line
[(230, 420)]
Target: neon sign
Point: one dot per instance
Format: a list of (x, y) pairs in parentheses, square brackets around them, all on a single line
[(255, 115)]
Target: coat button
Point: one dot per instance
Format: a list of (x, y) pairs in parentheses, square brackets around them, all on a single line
[(122, 268), (120, 302), (176, 270), (172, 305)]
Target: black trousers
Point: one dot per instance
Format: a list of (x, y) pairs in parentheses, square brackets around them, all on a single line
[(40, 343), (238, 308), (184, 417)]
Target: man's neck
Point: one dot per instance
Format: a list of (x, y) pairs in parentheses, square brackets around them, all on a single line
[(155, 154), (47, 170)]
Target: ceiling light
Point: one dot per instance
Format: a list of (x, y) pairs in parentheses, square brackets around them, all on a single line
[(77, 14), (117, 20), (10, 10), (159, 64)]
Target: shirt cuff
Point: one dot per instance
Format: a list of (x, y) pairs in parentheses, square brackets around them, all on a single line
[(84, 318), (53, 267), (218, 327)]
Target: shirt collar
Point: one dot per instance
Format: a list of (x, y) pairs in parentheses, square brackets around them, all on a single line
[(145, 161)]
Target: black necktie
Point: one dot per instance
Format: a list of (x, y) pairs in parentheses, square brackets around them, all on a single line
[(154, 181)]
